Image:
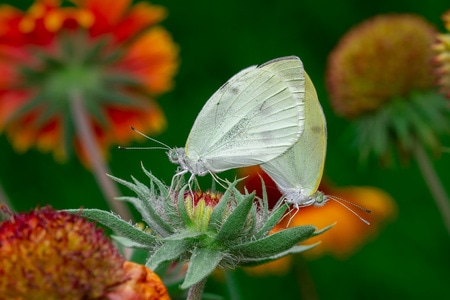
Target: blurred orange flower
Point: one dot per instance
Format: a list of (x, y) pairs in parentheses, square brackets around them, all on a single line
[(348, 234), (111, 54)]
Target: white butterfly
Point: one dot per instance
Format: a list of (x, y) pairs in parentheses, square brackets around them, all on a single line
[(298, 171), (254, 117)]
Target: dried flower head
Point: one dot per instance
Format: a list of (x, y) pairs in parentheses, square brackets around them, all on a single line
[(383, 58), (381, 73)]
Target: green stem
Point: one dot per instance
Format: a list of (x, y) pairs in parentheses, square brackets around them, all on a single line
[(4, 199), (231, 284), (196, 291), (100, 169), (434, 184), (304, 279)]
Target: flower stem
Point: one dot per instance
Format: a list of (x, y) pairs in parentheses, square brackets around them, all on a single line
[(434, 184), (100, 169), (304, 279), (196, 291), (231, 284), (4, 200)]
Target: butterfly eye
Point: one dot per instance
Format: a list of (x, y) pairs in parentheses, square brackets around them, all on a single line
[(173, 155)]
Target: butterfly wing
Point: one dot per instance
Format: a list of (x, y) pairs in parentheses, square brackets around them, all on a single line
[(301, 167), (254, 117)]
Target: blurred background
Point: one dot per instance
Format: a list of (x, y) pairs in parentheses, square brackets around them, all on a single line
[(407, 258)]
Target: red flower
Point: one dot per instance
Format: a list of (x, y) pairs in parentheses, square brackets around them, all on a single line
[(109, 54), (48, 254)]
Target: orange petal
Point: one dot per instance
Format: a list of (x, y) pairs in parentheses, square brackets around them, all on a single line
[(9, 18), (277, 267), (141, 16), (349, 233), (108, 11), (153, 59), (149, 119), (142, 284)]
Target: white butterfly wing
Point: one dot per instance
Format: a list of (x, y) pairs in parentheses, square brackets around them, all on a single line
[(254, 117), (301, 167)]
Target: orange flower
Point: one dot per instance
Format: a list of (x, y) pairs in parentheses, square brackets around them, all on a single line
[(350, 232), (110, 53), (141, 284), (46, 254), (442, 57)]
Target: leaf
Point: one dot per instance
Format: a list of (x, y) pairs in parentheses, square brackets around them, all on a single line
[(401, 128), (218, 211), (434, 108), (202, 263), (318, 232), (265, 206), (379, 133), (184, 235), (275, 243), (116, 97), (126, 242), (258, 261), (272, 221), (421, 130), (161, 186), (117, 224), (27, 107), (182, 207), (95, 110), (169, 251), (144, 205), (234, 224)]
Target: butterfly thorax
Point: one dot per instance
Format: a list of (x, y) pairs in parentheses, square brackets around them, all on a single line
[(178, 156), (299, 199)]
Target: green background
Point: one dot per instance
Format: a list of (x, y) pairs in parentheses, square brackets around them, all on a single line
[(410, 259)]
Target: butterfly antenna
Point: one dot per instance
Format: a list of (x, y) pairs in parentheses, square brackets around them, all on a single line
[(351, 203), (152, 139), (141, 148), (338, 200)]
